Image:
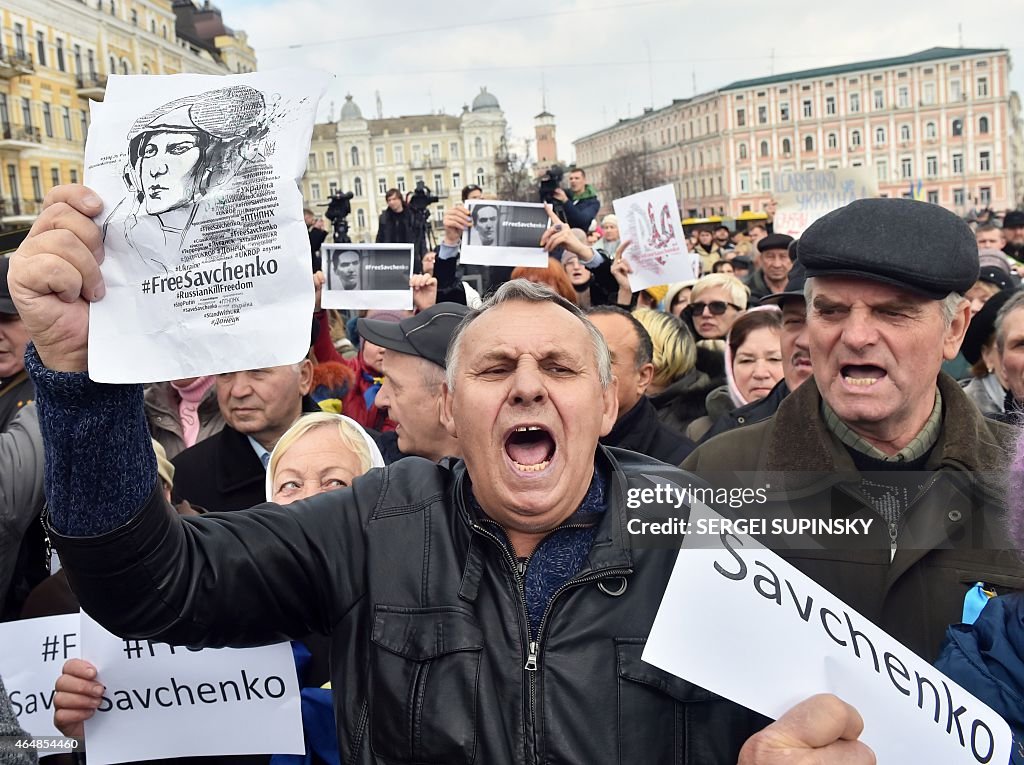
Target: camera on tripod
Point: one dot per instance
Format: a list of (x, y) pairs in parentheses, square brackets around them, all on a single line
[(421, 197), (339, 205), (549, 182)]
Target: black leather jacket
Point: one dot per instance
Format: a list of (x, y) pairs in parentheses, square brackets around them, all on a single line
[(430, 660)]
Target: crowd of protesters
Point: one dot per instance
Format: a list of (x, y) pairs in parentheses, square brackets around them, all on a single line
[(888, 341)]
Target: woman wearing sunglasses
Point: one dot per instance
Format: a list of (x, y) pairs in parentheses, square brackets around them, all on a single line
[(716, 301)]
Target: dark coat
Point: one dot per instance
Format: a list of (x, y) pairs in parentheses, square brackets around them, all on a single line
[(15, 392), (580, 211), (395, 228), (748, 414), (952, 536), (221, 473), (639, 430), (683, 401), (987, 659), (426, 612)]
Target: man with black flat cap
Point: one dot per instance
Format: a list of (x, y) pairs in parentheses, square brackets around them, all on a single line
[(879, 433), (776, 262), (414, 367)]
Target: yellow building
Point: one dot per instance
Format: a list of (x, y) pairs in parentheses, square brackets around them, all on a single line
[(55, 55)]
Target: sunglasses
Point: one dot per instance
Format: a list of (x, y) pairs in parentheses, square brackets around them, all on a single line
[(717, 307)]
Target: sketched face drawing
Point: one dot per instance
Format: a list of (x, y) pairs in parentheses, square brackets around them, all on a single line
[(346, 266), (169, 170)]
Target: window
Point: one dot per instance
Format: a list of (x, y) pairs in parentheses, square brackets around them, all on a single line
[(453, 150), (984, 161), (906, 168), (41, 48), (955, 90), (930, 131), (74, 176), (47, 121), (741, 118), (478, 147), (456, 181), (808, 143), (958, 163), (879, 96), (832, 141), (830, 105), (883, 170), (958, 197), (742, 150), (985, 195), (957, 128), (808, 108), (378, 154), (903, 97), (933, 197), (152, 26), (928, 94), (855, 138), (92, 64), (330, 159), (762, 115), (135, 18), (744, 179), (787, 146), (19, 40), (332, 188), (879, 136), (931, 166), (784, 112), (315, 189), (311, 164), (766, 180), (124, 67), (60, 56), (417, 154), (982, 87), (26, 113), (438, 185), (357, 186), (904, 132), (855, 102), (37, 184), (54, 177), (382, 186), (764, 149), (435, 151), (113, 8), (398, 153), (83, 119), (163, 31), (481, 179), (982, 124), (400, 183), (354, 152), (361, 218)]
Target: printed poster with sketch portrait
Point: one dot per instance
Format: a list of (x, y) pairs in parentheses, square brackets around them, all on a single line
[(206, 253), (657, 255)]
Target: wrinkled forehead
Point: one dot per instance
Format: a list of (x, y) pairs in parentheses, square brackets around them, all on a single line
[(522, 327), (846, 290)]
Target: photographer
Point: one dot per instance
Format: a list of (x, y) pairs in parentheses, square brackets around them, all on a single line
[(580, 203), (396, 225), (317, 234)]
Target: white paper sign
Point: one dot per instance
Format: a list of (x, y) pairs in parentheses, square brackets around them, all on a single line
[(657, 255), (367, 276), (803, 196), (164, 701), (505, 234), (32, 655), (207, 264), (743, 623)]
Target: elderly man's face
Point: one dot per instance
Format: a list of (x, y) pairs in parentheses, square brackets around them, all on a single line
[(528, 409), (1014, 235), (796, 356), (486, 224), (263, 403), (168, 168), (623, 343), (13, 339), (776, 265), (413, 400), (876, 350), (1013, 352)]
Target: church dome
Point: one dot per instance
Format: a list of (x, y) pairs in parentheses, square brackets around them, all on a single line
[(486, 102), (349, 110)]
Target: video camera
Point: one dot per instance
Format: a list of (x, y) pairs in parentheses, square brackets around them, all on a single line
[(549, 182), (339, 206), (421, 197)]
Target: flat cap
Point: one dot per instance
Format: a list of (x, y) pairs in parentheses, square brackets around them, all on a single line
[(914, 245), (426, 334), (983, 326), (6, 302), (774, 242), (1014, 219)]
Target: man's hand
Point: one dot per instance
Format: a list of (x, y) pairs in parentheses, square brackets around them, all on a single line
[(77, 697), (456, 220), (428, 262), (821, 730), (621, 270), (424, 291), (318, 288), (55, 274), (560, 235)]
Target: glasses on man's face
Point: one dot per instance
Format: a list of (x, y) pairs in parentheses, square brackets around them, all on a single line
[(717, 307)]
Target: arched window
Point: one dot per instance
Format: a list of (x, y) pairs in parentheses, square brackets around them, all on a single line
[(480, 177), (152, 26), (478, 147), (855, 138), (879, 135), (982, 124), (360, 218), (808, 143), (113, 66), (355, 156), (958, 128), (764, 149), (743, 151), (832, 140), (787, 146), (930, 131), (124, 67), (904, 132), (357, 187)]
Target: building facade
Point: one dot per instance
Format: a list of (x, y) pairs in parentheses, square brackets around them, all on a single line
[(369, 156), (941, 124), (55, 56)]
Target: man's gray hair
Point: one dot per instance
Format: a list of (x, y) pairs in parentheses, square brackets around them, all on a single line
[(948, 306), (1013, 304), (521, 290)]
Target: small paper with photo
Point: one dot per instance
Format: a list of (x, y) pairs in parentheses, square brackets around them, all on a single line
[(367, 276), (504, 234), (657, 255)]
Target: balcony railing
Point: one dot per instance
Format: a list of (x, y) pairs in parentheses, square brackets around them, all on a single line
[(18, 134), (15, 208), (91, 84), (14, 63)]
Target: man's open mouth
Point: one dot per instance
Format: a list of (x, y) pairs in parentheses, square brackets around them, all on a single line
[(863, 375), (530, 447)]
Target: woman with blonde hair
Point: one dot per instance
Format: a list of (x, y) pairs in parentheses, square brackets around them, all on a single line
[(716, 301), (679, 388)]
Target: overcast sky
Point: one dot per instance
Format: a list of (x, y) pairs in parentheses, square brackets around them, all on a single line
[(597, 61)]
